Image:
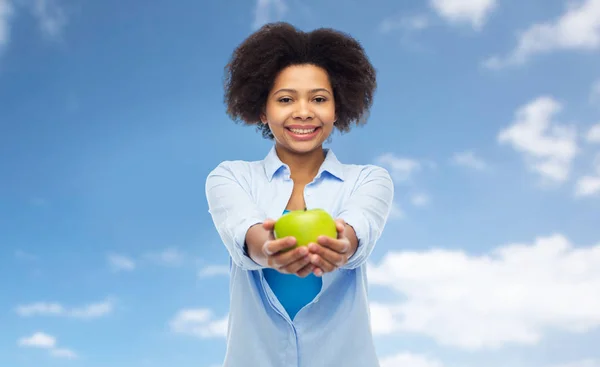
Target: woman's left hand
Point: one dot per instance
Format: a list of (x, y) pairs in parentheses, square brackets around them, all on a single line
[(328, 253)]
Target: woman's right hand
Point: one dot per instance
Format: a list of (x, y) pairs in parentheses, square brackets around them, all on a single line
[(282, 256)]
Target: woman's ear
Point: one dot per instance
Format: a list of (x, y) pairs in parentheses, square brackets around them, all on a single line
[(263, 118)]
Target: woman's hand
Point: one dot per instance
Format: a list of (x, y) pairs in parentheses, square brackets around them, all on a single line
[(281, 256), (328, 253)]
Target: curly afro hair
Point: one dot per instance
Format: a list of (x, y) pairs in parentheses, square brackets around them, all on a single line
[(256, 62)]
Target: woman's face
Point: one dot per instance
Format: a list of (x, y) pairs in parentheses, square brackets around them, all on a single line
[(300, 108)]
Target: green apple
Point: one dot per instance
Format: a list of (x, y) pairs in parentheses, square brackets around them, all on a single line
[(305, 225)]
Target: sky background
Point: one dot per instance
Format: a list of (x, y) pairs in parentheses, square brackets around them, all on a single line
[(487, 115)]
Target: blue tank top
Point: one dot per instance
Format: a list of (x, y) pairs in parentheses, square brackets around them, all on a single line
[(292, 291)]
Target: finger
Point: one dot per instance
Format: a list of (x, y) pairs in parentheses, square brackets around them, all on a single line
[(295, 266), (334, 258), (337, 245), (318, 271), (320, 262), (340, 225), (307, 269), (283, 259), (272, 247), (269, 222)]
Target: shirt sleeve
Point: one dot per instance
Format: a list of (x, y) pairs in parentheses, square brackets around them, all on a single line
[(233, 211), (367, 211)]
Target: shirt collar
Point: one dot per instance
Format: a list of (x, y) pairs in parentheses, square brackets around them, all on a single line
[(331, 165)]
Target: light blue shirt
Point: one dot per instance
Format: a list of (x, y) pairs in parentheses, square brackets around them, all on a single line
[(334, 328)]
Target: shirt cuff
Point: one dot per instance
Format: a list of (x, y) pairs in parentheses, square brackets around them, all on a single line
[(358, 223), (242, 258)]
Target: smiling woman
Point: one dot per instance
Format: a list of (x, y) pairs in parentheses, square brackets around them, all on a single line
[(297, 87)]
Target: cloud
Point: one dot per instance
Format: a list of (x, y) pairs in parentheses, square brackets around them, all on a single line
[(63, 353), (513, 294), (42, 340), (595, 92), (200, 323), (548, 147), (396, 211), (401, 169), (213, 270), (469, 159), (268, 11), (593, 134), (51, 18), (6, 13), (25, 256), (577, 29), (90, 311), (121, 263), (473, 12), (420, 200), (410, 23), (168, 257), (38, 340), (405, 359), (589, 185), (581, 363)]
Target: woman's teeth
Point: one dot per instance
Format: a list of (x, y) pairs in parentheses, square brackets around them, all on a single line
[(302, 131)]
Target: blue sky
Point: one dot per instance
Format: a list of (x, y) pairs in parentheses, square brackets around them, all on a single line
[(487, 115)]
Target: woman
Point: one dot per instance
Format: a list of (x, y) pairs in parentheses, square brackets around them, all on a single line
[(307, 306)]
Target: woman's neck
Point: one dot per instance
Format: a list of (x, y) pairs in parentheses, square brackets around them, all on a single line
[(303, 167)]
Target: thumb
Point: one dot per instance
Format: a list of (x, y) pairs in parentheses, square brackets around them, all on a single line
[(268, 224)]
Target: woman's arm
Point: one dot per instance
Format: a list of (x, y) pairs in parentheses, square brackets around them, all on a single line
[(366, 212), (234, 212)]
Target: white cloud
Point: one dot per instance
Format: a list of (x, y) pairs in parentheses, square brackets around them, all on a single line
[(511, 295), (384, 317), (577, 29), (268, 11), (420, 200), (44, 341), (396, 211), (410, 23), (589, 185), (469, 159), (582, 363), (473, 12), (121, 263), (25, 256), (213, 270), (93, 310), (6, 13), (200, 323), (593, 134), (63, 353), (548, 147), (38, 340), (51, 18), (40, 308), (595, 92), (168, 257), (409, 360), (90, 311), (402, 169)]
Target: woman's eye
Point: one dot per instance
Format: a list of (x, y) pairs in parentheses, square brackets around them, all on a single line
[(320, 99), (285, 100)]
